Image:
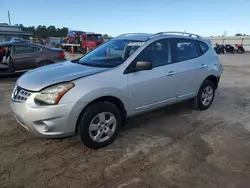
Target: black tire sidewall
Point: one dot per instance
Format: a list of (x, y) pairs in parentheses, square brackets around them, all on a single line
[(87, 116), (198, 101), (11, 67)]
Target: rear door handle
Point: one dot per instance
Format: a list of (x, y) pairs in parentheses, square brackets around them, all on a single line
[(203, 65), (171, 73)]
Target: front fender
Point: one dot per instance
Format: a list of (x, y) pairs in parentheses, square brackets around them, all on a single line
[(104, 92)]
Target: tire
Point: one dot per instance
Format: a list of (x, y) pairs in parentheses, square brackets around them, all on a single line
[(43, 63), (91, 128), (11, 68), (199, 102)]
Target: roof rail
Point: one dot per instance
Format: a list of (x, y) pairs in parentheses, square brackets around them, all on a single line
[(125, 34), (176, 32)]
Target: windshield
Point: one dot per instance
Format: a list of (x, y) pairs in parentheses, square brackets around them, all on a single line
[(111, 53), (79, 32), (94, 37)]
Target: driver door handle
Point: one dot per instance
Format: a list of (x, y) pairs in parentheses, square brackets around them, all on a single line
[(203, 66), (171, 73)]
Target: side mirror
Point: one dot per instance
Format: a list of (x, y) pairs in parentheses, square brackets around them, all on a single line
[(143, 65)]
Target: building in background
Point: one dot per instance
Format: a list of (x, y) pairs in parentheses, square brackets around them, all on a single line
[(9, 31)]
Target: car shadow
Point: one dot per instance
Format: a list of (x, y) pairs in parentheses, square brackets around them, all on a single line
[(171, 121), (158, 115), (12, 76)]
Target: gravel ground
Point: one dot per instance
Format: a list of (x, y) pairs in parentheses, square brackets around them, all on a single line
[(172, 147)]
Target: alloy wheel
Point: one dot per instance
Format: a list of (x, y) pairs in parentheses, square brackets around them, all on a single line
[(102, 127), (207, 95)]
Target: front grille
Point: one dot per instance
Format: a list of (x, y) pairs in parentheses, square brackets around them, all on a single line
[(20, 95)]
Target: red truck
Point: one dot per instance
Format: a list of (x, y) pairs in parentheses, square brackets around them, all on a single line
[(88, 40)]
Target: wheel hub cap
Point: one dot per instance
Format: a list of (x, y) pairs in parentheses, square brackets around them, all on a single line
[(207, 95), (102, 127)]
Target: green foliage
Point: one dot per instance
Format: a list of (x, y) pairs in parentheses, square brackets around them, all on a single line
[(238, 34), (106, 36), (42, 31)]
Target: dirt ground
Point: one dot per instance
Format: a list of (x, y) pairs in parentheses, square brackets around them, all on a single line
[(174, 147)]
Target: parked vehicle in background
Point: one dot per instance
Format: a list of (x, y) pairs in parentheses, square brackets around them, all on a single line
[(219, 48), (91, 41), (88, 41), (129, 75), (35, 40), (21, 56), (239, 48), (229, 48), (13, 39), (73, 35)]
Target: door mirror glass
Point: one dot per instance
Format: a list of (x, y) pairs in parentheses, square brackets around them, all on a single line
[(143, 65)]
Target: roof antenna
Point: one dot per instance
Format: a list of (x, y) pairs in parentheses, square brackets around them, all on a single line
[(184, 32)]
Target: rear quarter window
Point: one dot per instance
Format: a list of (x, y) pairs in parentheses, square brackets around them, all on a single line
[(202, 47)]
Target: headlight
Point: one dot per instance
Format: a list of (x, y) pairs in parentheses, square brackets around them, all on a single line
[(53, 94)]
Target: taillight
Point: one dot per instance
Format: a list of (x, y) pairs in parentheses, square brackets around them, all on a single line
[(61, 54)]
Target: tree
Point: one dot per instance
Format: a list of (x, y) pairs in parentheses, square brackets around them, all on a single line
[(51, 31), (42, 31), (238, 34), (105, 36)]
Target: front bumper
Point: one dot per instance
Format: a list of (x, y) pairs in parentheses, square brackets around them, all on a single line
[(52, 121)]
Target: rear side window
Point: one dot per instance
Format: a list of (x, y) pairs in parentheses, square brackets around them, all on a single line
[(203, 47), (184, 49), (25, 49)]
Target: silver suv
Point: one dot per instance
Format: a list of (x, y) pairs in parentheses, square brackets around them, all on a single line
[(126, 76)]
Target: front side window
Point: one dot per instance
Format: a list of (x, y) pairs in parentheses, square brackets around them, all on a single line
[(111, 53), (184, 49), (25, 49), (158, 53)]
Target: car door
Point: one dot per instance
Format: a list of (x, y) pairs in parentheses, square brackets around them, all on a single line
[(153, 88), (188, 69), (24, 57)]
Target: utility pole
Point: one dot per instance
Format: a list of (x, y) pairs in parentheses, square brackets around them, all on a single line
[(9, 17)]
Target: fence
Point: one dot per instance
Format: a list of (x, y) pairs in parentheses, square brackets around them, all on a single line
[(243, 40)]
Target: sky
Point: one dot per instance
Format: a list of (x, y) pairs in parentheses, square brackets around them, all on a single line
[(114, 17)]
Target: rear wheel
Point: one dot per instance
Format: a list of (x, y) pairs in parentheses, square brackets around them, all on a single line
[(99, 124), (205, 95)]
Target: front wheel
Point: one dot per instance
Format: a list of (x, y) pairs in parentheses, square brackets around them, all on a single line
[(99, 124), (205, 95), (11, 68)]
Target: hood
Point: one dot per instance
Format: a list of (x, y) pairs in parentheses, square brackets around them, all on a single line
[(39, 78)]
